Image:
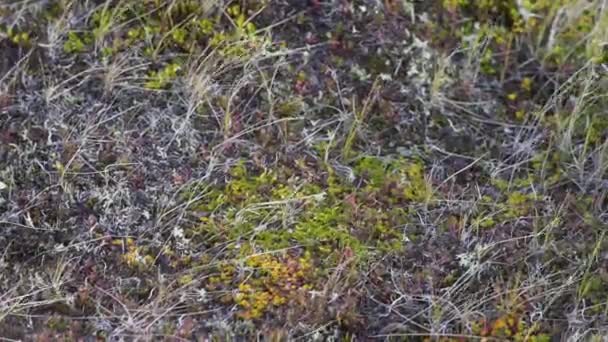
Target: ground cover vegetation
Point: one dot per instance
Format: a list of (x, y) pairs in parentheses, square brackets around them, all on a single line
[(314, 170)]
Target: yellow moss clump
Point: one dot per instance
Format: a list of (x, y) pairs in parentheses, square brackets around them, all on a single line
[(274, 282), (134, 257), (418, 187)]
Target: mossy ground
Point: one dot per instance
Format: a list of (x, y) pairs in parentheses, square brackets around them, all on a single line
[(313, 170)]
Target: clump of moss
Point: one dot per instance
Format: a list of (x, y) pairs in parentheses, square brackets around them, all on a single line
[(518, 204), (21, 38), (134, 256), (511, 200), (510, 326), (274, 281), (173, 28), (260, 209), (162, 78), (406, 178), (495, 28), (77, 42), (325, 228)]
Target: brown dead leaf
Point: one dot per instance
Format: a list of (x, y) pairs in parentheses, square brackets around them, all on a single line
[(186, 328)]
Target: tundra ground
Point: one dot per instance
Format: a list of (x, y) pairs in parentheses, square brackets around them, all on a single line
[(303, 170)]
